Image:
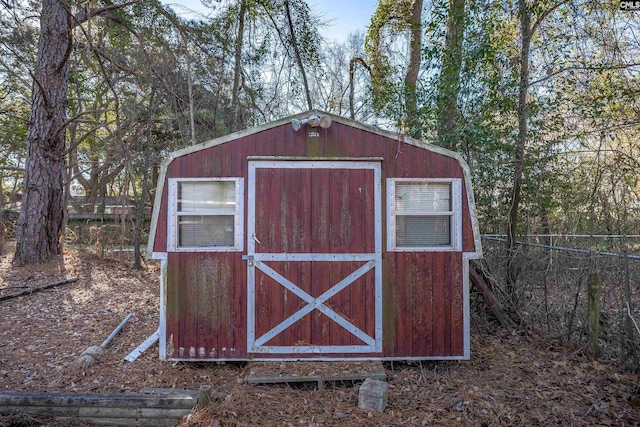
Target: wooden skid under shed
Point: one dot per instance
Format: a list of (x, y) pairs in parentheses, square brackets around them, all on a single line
[(313, 372)]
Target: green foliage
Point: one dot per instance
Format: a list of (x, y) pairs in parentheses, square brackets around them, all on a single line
[(14, 120), (132, 67), (390, 19)]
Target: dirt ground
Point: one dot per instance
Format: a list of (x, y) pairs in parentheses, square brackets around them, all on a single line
[(510, 379)]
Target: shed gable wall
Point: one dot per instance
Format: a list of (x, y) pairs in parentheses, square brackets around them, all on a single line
[(341, 141)]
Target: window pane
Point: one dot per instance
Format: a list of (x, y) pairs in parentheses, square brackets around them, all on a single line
[(423, 231), (197, 196), (200, 230), (421, 197)]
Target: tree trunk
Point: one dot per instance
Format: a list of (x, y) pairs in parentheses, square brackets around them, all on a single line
[(144, 147), (41, 214), (66, 195), (593, 311), (630, 339), (352, 71), (237, 70), (450, 75), (192, 119), (411, 77), (296, 51), (518, 161), (1, 215)]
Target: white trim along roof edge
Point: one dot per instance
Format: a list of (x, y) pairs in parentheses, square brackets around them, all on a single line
[(368, 128)]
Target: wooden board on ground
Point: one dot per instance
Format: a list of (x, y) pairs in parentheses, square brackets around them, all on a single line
[(156, 407), (313, 372)]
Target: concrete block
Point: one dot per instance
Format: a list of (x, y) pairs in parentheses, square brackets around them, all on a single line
[(373, 395)]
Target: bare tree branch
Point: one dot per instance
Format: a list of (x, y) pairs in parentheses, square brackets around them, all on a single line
[(544, 15), (63, 126), (586, 68), (47, 103), (85, 15), (352, 69)]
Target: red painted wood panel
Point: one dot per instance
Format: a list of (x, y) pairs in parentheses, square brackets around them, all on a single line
[(422, 319), (204, 306), (439, 307), (457, 306), (315, 328), (314, 210), (427, 319), (425, 291), (404, 295)]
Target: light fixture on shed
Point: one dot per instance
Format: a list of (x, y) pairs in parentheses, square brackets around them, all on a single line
[(313, 121)]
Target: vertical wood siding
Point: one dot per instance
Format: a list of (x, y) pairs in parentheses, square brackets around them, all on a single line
[(206, 318), (314, 211), (422, 301), (422, 292)]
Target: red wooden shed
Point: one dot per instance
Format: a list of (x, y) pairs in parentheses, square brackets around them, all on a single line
[(314, 237)]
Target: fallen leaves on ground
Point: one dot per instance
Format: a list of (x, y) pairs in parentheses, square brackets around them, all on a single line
[(510, 379)]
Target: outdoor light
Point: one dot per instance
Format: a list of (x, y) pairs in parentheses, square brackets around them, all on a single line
[(296, 124), (313, 121)]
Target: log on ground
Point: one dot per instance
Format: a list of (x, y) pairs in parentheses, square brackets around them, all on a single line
[(96, 400)]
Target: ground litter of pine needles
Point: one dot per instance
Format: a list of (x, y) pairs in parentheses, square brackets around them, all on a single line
[(510, 380)]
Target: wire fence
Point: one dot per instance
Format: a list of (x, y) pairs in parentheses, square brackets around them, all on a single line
[(551, 296)]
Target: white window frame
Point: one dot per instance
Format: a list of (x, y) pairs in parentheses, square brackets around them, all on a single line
[(455, 213), (173, 214)]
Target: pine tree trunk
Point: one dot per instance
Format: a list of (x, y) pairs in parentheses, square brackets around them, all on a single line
[(41, 214), (144, 147)]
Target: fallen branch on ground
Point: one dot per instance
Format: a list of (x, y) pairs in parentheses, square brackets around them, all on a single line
[(632, 319), (37, 289), (490, 300)]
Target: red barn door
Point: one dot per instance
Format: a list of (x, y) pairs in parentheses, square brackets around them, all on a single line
[(314, 252)]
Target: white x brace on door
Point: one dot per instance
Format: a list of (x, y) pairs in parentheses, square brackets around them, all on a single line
[(304, 224)]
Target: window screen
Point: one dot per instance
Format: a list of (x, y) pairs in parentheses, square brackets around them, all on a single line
[(423, 214), (423, 231), (206, 214), (198, 196)]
